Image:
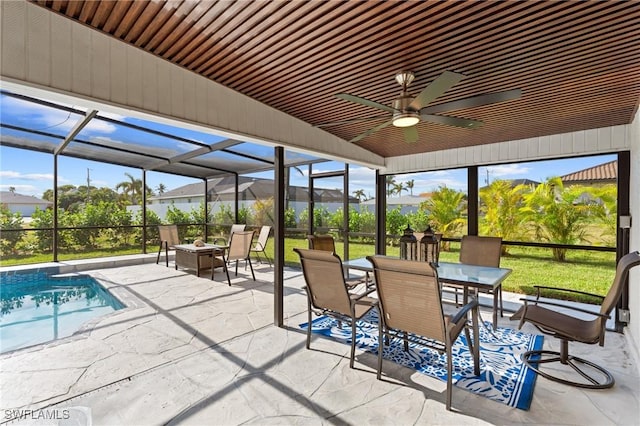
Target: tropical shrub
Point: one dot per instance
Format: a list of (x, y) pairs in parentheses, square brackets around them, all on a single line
[(500, 205), (10, 224), (446, 209), (558, 214)]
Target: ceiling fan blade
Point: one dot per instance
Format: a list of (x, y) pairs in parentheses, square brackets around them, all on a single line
[(444, 82), (371, 131), (351, 120), (474, 101), (452, 121), (363, 101), (410, 134)]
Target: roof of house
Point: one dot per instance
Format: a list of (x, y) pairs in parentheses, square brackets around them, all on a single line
[(607, 172), (8, 197), (252, 188), (403, 200)]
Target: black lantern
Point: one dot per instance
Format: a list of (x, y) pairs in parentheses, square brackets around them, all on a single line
[(429, 247), (408, 245)]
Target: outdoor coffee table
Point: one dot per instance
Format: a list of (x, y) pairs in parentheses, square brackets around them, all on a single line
[(209, 256)]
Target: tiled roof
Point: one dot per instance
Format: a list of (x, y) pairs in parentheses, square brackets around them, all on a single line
[(603, 172)]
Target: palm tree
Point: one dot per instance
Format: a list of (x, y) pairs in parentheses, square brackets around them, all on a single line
[(446, 207), (398, 188), (409, 184), (132, 189), (558, 214), (391, 182), (12, 189), (359, 194), (161, 188), (501, 204)]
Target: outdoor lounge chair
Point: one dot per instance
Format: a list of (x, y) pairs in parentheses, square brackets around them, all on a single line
[(261, 245), (168, 239), (240, 249), (573, 325), (482, 251), (327, 293), (411, 308)]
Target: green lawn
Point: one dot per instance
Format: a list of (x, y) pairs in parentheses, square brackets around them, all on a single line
[(592, 272)]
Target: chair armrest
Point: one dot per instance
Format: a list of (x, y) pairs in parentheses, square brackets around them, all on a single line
[(365, 300), (563, 305), (567, 290), (464, 310), (224, 240)]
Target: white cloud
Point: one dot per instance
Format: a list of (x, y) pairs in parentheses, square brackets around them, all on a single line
[(11, 174), (23, 189), (505, 170)]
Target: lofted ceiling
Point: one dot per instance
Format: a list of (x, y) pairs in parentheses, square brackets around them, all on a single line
[(577, 63)]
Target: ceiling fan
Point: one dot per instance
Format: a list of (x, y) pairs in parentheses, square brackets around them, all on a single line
[(407, 110)]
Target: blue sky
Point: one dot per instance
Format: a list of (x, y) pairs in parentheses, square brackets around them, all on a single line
[(31, 173)]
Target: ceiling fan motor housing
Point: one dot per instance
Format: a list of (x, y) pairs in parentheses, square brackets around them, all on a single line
[(403, 116)]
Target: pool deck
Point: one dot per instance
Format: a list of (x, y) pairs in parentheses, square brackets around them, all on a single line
[(189, 350)]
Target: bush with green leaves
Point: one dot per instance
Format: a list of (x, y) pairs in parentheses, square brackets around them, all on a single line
[(446, 210), (419, 220), (263, 212), (321, 217), (10, 225), (559, 214), (396, 223), (290, 218), (43, 219), (175, 216)]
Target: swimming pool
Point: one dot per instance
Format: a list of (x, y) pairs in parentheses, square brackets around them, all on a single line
[(38, 307)]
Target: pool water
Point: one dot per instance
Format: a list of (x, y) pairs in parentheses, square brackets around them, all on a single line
[(37, 307)]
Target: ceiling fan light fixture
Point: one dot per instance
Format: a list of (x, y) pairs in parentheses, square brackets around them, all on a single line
[(405, 119)]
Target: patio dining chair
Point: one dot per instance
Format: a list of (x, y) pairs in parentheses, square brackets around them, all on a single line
[(327, 243), (411, 308), (240, 249), (168, 240), (482, 251), (236, 227), (328, 294), (261, 245), (571, 323)]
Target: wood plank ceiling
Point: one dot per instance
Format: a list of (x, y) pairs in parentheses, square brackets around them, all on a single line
[(576, 62)]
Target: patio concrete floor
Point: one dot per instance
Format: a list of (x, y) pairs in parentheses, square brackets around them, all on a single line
[(190, 350)]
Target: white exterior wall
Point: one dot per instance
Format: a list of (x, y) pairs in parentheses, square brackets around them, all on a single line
[(26, 210), (50, 56)]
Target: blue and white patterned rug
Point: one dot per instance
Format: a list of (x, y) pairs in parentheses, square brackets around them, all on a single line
[(503, 376)]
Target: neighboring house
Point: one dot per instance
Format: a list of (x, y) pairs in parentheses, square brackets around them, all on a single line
[(23, 204), (221, 191), (602, 174), (516, 182), (407, 203)]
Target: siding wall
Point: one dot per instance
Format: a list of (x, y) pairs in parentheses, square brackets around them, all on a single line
[(596, 141)]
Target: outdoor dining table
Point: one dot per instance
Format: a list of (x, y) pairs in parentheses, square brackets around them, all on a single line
[(479, 278)]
